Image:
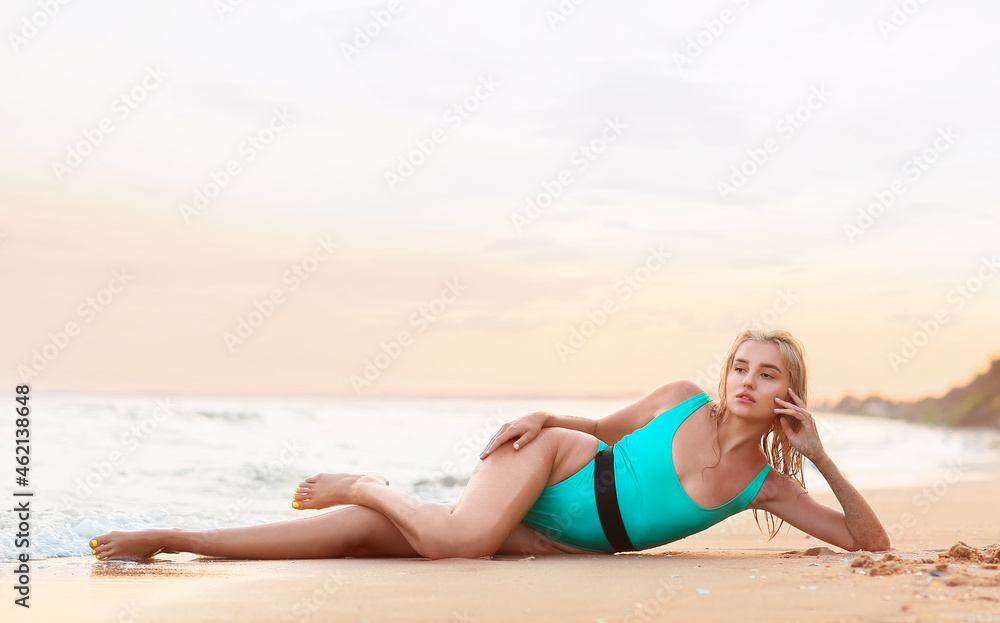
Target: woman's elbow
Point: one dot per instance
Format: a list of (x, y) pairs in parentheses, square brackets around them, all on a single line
[(881, 544), (875, 543)]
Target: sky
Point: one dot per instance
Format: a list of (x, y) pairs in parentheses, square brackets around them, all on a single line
[(593, 199)]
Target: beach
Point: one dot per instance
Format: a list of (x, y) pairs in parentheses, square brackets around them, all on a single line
[(246, 243), (726, 573), (108, 463)]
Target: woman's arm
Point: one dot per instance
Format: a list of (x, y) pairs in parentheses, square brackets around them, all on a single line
[(609, 429), (857, 527)]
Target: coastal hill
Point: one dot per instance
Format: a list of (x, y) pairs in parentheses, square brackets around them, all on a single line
[(975, 404)]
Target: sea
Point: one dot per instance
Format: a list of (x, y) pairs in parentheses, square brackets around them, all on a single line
[(102, 463)]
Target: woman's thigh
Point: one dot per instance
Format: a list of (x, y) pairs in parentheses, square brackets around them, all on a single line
[(525, 540), (505, 485)]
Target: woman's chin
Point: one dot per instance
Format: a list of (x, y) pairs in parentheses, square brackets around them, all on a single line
[(750, 410)]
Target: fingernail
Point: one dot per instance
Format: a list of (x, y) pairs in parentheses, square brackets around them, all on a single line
[(516, 446), (482, 454)]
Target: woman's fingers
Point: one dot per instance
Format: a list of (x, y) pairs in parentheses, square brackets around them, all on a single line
[(498, 440), (806, 438), (798, 401), (524, 439), (790, 410), (521, 431), (506, 434)]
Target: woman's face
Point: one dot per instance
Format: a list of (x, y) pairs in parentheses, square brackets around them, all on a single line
[(757, 377)]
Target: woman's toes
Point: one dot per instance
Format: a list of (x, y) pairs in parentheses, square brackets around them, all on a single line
[(99, 547)]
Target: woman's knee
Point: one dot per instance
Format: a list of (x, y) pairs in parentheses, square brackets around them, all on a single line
[(355, 528)]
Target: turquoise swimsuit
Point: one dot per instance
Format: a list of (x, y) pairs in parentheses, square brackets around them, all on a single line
[(654, 507)]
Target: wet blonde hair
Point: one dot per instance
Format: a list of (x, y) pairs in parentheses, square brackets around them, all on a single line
[(778, 450)]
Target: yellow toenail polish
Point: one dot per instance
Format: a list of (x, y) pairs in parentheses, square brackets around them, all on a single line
[(93, 542), (98, 557), (93, 551), (295, 504)]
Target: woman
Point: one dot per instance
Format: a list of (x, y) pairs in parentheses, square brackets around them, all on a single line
[(669, 465)]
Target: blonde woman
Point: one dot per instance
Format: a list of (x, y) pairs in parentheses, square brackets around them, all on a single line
[(667, 466)]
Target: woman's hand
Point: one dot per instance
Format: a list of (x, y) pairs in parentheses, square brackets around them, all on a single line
[(522, 430), (799, 427)]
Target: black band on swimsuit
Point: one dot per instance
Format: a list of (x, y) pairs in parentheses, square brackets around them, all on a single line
[(607, 501)]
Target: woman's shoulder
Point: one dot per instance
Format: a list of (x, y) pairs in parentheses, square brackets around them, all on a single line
[(673, 393), (775, 488)]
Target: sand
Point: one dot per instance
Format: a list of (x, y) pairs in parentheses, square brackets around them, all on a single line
[(727, 573)]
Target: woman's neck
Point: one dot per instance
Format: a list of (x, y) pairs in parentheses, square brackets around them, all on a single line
[(739, 437)]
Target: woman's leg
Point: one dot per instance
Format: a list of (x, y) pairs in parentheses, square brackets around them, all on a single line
[(487, 517), (486, 520), (352, 531), (349, 532)]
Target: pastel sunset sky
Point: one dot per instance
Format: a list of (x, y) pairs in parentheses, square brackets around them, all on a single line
[(469, 198)]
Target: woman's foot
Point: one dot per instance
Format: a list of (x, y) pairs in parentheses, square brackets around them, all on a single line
[(140, 544), (325, 490)]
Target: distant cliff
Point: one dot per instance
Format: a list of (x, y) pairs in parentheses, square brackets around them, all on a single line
[(975, 404)]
